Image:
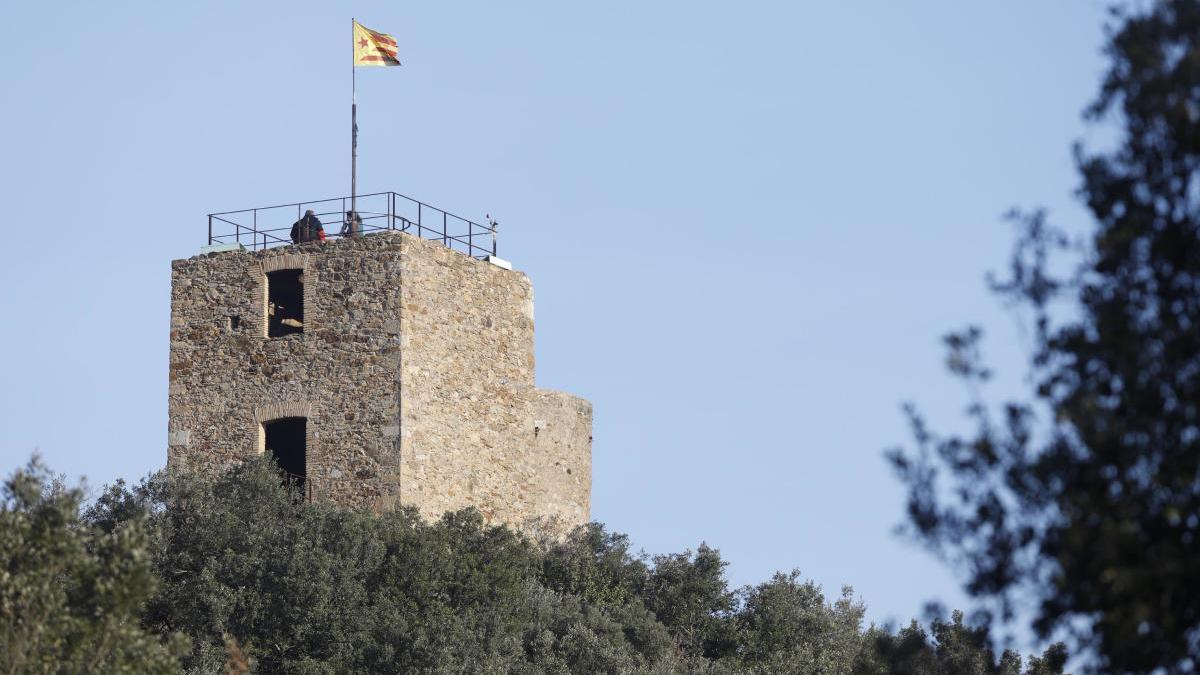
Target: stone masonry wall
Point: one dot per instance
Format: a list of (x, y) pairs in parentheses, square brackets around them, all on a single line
[(415, 371), (470, 409)]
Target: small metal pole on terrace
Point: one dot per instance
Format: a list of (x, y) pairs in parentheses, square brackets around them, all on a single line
[(210, 230)]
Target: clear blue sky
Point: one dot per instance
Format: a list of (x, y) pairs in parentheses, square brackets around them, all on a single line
[(748, 224)]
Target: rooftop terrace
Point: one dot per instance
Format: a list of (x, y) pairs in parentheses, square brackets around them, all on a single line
[(267, 226)]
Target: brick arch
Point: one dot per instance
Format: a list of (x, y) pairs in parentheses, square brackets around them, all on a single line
[(286, 261), (281, 409)]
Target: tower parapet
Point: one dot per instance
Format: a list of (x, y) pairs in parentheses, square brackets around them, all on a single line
[(383, 370)]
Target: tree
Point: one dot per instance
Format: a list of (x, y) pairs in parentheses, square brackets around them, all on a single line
[(313, 588), (786, 626), (257, 580), (955, 649), (71, 594), (1086, 496), (690, 596)]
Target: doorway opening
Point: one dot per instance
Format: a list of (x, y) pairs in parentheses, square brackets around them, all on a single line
[(286, 443)]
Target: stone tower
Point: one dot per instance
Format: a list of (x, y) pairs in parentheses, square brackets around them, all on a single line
[(382, 371)]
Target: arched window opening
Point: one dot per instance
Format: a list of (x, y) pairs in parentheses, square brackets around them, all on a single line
[(286, 442), (285, 302)]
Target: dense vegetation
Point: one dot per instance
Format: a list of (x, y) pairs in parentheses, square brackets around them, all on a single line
[(236, 574), (1084, 498)]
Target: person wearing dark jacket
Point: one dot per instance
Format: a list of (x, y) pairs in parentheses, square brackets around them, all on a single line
[(307, 228), (352, 226)]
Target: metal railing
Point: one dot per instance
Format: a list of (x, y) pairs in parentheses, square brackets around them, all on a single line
[(268, 226)]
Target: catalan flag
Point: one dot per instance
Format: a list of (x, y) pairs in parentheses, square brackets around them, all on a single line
[(372, 48)]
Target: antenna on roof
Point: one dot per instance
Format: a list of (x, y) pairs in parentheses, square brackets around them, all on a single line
[(494, 225)]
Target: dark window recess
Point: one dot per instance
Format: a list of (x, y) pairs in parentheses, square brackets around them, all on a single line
[(286, 444), (235, 322), (285, 302)]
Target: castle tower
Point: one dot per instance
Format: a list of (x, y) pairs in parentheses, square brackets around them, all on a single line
[(385, 370)]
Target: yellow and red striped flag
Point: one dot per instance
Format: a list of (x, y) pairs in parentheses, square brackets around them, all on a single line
[(372, 48)]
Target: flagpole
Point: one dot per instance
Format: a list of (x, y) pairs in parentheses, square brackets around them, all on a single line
[(353, 128)]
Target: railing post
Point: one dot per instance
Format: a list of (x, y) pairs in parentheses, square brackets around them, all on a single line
[(444, 239), (210, 230), (494, 242)]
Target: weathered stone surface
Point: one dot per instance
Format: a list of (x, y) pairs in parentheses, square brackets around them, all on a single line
[(415, 371)]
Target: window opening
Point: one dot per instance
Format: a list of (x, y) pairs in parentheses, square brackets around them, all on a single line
[(287, 444), (285, 302)]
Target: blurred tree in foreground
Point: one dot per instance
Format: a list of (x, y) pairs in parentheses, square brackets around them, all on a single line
[(260, 581), (71, 595), (1087, 497)]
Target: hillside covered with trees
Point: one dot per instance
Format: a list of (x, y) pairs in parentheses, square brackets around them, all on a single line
[(238, 575)]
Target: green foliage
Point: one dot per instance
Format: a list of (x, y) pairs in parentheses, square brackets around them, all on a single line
[(71, 593), (786, 623), (1086, 497), (689, 595), (595, 565), (261, 580), (310, 588), (955, 649)]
